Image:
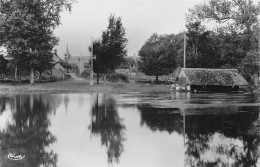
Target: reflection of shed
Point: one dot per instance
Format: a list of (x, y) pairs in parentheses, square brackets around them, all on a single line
[(201, 79)]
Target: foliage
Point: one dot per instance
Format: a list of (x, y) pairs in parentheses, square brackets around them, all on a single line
[(250, 65), (129, 62), (110, 50), (115, 77), (3, 64), (201, 47), (231, 42), (237, 15), (158, 55), (27, 30)]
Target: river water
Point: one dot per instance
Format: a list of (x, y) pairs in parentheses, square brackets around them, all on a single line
[(126, 130)]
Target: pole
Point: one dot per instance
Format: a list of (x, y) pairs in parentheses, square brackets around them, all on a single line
[(79, 68), (91, 62), (184, 59)]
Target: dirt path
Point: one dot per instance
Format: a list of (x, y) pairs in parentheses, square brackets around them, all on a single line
[(75, 77)]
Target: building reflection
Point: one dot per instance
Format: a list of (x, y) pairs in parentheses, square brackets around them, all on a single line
[(211, 137), (27, 133), (106, 123)]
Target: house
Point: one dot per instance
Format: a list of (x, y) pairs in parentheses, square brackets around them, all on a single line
[(218, 80), (58, 71)]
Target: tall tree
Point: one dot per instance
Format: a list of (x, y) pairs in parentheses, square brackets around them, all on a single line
[(201, 50), (26, 30), (3, 66), (158, 55), (236, 32), (111, 49)]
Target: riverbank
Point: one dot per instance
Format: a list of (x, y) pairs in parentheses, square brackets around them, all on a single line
[(81, 86)]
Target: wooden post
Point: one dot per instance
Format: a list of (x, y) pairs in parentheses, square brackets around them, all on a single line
[(91, 62), (15, 74), (184, 59), (32, 76)]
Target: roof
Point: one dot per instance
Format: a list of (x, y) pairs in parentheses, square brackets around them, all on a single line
[(60, 61), (77, 58), (217, 77), (55, 54)]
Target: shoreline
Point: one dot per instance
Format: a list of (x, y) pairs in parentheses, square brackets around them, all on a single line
[(81, 86)]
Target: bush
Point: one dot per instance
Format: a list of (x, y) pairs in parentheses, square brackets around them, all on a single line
[(115, 77), (86, 73)]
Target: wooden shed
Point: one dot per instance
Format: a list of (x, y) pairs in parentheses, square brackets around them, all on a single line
[(217, 80)]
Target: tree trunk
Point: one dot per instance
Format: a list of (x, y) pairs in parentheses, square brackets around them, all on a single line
[(105, 78), (157, 79), (19, 77), (15, 75), (256, 80), (40, 76), (97, 78), (32, 76)]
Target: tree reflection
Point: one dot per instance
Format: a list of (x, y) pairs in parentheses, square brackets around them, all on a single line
[(28, 133), (2, 104), (214, 138), (162, 119), (107, 123)]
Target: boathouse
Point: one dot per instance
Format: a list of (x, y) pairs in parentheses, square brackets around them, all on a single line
[(217, 80)]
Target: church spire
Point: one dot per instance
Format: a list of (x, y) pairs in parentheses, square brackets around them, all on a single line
[(67, 54)]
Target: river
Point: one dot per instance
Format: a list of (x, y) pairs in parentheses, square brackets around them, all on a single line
[(132, 129)]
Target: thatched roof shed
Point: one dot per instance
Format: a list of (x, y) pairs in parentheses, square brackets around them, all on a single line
[(211, 77)]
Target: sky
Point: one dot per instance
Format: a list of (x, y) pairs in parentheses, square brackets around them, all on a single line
[(140, 18)]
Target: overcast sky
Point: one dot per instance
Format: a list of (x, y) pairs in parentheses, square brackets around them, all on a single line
[(141, 18)]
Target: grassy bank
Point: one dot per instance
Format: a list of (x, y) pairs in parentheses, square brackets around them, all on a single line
[(81, 86)]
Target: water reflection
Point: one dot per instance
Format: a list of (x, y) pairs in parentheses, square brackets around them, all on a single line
[(212, 138), (27, 133), (105, 121), (68, 129)]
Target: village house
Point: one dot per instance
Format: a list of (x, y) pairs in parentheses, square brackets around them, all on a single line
[(217, 80), (58, 71)]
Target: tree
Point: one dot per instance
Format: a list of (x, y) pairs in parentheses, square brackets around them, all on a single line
[(110, 50), (201, 47), (27, 30), (237, 31), (3, 65), (158, 55), (250, 67)]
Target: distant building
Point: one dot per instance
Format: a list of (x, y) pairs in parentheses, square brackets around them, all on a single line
[(82, 62), (201, 79), (58, 71)]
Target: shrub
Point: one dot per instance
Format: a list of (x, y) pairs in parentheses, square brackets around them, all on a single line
[(115, 77), (86, 73)]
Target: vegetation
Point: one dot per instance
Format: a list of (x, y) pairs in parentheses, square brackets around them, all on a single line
[(3, 66), (232, 43), (110, 50), (158, 55), (27, 32)]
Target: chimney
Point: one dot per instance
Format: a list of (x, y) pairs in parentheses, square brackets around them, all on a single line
[(55, 51)]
